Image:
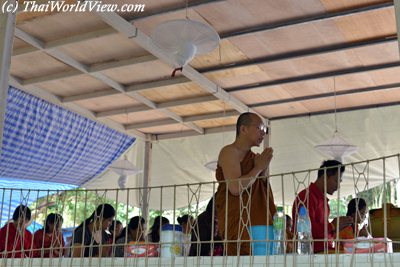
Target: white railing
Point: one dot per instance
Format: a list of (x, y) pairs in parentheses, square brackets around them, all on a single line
[(103, 252)]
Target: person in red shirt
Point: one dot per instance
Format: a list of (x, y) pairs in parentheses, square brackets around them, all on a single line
[(49, 241), (15, 240), (314, 199)]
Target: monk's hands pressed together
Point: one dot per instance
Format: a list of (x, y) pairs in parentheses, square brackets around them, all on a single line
[(262, 161)]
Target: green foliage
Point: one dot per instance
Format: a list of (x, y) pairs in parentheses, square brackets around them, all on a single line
[(338, 207), (77, 205), (373, 196), (193, 210)]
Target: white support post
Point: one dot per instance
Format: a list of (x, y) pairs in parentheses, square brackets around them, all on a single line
[(7, 22), (146, 179), (267, 137), (267, 142), (397, 15)]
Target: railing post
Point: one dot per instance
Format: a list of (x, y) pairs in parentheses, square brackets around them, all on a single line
[(7, 22), (146, 179)]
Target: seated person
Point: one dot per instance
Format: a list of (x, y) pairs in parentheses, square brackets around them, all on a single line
[(49, 241), (90, 236), (154, 235), (202, 231), (357, 210), (115, 230), (314, 199), (133, 232), (186, 221), (15, 240)]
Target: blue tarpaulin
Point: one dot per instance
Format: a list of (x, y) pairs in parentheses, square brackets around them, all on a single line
[(48, 147), (44, 142)]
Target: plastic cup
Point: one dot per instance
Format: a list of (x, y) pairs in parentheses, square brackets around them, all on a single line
[(262, 233)]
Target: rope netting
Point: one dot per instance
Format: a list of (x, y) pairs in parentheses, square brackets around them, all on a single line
[(76, 227)]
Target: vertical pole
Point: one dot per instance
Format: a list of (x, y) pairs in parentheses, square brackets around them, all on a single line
[(267, 137), (7, 25), (146, 178), (397, 15)]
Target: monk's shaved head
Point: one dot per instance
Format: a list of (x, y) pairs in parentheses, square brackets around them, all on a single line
[(245, 119)]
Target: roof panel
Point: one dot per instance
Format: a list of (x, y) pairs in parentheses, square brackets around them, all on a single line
[(21, 66), (375, 54), (354, 100), (138, 117), (17, 44), (368, 25), (227, 52), (287, 39), (238, 76), (108, 103), (61, 25), (110, 47), (147, 25), (282, 110), (146, 71), (386, 76), (75, 85), (263, 94), (176, 92), (166, 129), (201, 108), (335, 5), (229, 15), (328, 103), (217, 122)]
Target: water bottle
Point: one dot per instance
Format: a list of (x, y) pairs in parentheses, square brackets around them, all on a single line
[(304, 233), (279, 232)]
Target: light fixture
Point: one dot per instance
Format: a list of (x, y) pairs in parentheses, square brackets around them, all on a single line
[(336, 147), (124, 168), (211, 165)]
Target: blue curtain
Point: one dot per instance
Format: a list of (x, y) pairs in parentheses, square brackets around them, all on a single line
[(44, 142)]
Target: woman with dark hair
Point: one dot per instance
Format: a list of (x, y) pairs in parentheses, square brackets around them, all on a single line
[(154, 235), (357, 209), (134, 232), (90, 236), (186, 221), (205, 229), (49, 241), (15, 240)]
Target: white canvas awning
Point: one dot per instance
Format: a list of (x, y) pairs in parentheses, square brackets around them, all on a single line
[(180, 161)]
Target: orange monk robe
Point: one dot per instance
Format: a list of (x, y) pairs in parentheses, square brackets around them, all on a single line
[(261, 209)]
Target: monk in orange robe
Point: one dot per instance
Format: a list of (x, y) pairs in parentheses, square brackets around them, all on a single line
[(242, 200)]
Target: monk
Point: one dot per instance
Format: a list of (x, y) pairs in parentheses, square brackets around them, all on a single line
[(239, 188)]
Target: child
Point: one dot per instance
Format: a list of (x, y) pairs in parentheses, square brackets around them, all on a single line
[(357, 209)]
